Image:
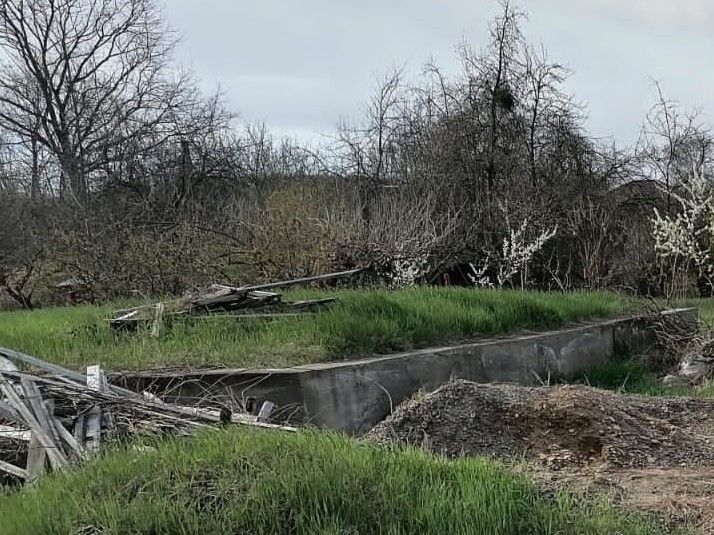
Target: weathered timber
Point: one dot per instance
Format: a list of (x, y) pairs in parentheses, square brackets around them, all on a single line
[(13, 470), (252, 300), (58, 419)]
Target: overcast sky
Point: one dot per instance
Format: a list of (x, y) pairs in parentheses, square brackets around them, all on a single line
[(301, 65)]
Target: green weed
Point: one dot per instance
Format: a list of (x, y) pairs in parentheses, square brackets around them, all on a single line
[(226, 482)]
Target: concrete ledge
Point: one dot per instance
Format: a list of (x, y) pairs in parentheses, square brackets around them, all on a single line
[(355, 395)]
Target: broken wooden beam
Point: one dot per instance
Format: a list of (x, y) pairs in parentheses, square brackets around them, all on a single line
[(54, 453), (13, 433), (13, 470)]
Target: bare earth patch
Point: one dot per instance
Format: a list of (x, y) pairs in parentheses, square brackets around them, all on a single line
[(677, 496), (656, 454)]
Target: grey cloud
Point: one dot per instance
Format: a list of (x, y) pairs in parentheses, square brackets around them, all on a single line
[(299, 65), (697, 14)]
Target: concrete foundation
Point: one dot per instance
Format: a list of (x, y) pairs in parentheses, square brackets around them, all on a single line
[(353, 396)]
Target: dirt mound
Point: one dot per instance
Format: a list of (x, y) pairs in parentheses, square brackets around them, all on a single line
[(568, 426)]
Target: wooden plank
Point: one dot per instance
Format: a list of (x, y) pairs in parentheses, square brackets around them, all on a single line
[(60, 431), (69, 438), (265, 410), (214, 415), (246, 316), (68, 377), (57, 459), (36, 454), (230, 301), (312, 304), (128, 316), (37, 405), (79, 429), (17, 356), (13, 433), (262, 297), (93, 429), (36, 459), (13, 470), (222, 298), (96, 380), (8, 413), (59, 380), (55, 455)]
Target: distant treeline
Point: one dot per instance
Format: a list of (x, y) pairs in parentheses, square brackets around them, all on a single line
[(118, 174)]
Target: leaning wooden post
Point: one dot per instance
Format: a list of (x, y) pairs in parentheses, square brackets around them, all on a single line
[(36, 454)]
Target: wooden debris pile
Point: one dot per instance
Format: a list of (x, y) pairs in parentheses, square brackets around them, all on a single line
[(59, 417), (259, 301)]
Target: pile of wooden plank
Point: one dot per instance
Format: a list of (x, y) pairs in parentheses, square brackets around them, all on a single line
[(54, 417), (258, 301)]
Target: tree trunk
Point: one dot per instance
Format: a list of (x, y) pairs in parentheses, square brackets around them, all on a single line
[(73, 177), (35, 179), (18, 295)]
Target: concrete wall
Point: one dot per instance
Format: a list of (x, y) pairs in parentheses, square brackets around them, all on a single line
[(353, 396)]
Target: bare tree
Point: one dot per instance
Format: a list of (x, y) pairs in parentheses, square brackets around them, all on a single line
[(673, 141), (82, 76), (545, 100), (371, 151), (498, 71)]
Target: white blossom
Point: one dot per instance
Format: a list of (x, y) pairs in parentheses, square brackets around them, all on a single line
[(515, 256), (406, 272), (478, 276), (687, 237)]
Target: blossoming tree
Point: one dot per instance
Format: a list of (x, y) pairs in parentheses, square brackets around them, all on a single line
[(683, 242)]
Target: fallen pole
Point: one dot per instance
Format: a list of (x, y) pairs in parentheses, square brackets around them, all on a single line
[(293, 282)]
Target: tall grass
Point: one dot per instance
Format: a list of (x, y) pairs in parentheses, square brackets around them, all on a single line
[(238, 481), (363, 323), (632, 376)]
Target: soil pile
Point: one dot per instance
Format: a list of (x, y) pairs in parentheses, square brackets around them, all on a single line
[(567, 426)]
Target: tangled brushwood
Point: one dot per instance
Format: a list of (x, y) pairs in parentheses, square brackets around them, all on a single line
[(685, 351)]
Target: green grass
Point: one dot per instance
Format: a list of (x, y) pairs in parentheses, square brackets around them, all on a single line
[(631, 376), (230, 482), (363, 323)]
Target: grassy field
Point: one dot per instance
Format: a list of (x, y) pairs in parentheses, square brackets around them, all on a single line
[(243, 481), (363, 323)]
